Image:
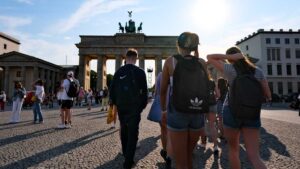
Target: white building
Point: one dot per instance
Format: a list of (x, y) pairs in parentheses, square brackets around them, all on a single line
[(279, 57), (8, 44)]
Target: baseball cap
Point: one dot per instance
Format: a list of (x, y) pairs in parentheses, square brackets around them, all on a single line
[(70, 73), (188, 40)]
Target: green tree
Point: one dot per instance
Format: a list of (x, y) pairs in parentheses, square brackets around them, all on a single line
[(93, 80), (109, 78)]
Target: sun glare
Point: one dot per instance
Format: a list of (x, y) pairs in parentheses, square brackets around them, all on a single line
[(209, 14)]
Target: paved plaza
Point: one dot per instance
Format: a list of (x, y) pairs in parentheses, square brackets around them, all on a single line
[(91, 143)]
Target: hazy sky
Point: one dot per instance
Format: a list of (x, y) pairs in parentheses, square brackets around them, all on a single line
[(48, 29)]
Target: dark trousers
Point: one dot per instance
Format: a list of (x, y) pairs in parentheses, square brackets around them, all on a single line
[(129, 136)]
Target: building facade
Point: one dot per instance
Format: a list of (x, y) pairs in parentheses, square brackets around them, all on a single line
[(8, 43), (278, 54), (27, 69)]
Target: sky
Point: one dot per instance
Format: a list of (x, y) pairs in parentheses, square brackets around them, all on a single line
[(49, 29)]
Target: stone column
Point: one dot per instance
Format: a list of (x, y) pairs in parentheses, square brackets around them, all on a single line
[(6, 81), (42, 73), (142, 62), (101, 72), (118, 62), (158, 65), (35, 73), (53, 81), (48, 81), (82, 71), (23, 75)]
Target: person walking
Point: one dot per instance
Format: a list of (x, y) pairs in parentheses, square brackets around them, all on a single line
[(2, 100), (237, 121), (104, 99), (222, 90), (19, 94), (188, 79), (70, 87), (128, 92), (212, 115), (39, 96), (89, 98)]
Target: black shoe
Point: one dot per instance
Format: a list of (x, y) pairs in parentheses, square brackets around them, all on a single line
[(163, 154), (128, 165), (168, 163)]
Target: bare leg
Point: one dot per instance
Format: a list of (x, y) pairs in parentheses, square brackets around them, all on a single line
[(251, 139), (179, 143), (193, 137), (233, 139)]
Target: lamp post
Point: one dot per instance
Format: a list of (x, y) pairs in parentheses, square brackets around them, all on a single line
[(149, 79)]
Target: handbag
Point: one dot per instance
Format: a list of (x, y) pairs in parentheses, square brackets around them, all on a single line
[(110, 115), (155, 110)]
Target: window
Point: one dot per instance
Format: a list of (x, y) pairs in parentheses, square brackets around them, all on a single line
[(296, 40), (268, 54), (278, 54), (287, 41), (280, 88), (298, 87), (277, 41), (288, 69), (18, 74), (5, 46), (298, 69), (290, 87), (268, 40), (297, 53), (269, 69), (271, 86), (273, 54), (247, 47), (279, 69), (288, 53)]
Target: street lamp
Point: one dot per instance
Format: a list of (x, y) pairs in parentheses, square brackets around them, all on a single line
[(149, 79)]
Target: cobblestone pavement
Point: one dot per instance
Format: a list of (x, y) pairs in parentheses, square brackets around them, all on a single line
[(90, 143)]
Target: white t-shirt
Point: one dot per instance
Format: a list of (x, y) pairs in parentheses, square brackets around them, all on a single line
[(65, 85), (39, 92)]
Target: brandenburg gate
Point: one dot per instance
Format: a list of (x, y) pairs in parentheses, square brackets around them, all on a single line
[(103, 48)]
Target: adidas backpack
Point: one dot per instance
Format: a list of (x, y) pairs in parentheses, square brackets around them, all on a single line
[(73, 88), (190, 86), (246, 96)]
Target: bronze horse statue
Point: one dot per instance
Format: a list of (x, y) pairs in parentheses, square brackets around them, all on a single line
[(121, 28), (139, 29)]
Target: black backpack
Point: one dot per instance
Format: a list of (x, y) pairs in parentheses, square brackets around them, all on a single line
[(190, 86), (73, 88), (127, 91), (105, 93), (246, 96)]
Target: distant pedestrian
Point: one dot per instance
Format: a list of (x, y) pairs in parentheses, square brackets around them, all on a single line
[(156, 115), (70, 88), (222, 90), (2, 100), (212, 115), (187, 76), (19, 94), (89, 98), (128, 92), (105, 99), (246, 120), (39, 96), (80, 96)]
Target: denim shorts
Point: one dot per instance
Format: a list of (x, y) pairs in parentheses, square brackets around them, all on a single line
[(230, 121), (178, 121), (213, 108), (220, 108)]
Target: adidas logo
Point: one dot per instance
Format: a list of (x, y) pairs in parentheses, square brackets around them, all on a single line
[(196, 102)]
